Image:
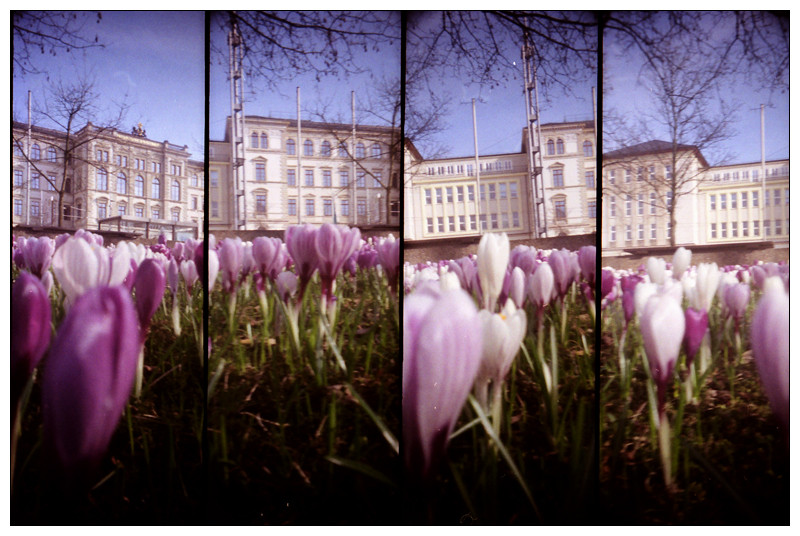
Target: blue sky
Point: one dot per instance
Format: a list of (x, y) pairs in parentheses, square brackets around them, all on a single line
[(157, 58), (630, 97)]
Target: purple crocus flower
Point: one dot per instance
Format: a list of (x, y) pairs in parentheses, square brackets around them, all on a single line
[(607, 282), (628, 284), (737, 297), (37, 253), (696, 327), (524, 257), (269, 256), (770, 342), (442, 348), (334, 245), (388, 250), (517, 287), (88, 379), (30, 329), (149, 287), (587, 260), (560, 262), (301, 242), (189, 272), (231, 252), (366, 257)]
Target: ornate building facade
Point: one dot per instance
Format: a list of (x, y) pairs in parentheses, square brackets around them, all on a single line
[(110, 178)]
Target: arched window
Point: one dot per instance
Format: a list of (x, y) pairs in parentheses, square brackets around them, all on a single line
[(156, 189), (376, 150), (176, 191), (308, 148), (342, 150), (325, 150), (139, 186), (122, 209), (122, 184), (51, 154), (254, 140), (264, 141), (551, 147), (176, 214), (360, 150), (35, 152), (290, 147), (102, 179), (587, 148), (560, 146)]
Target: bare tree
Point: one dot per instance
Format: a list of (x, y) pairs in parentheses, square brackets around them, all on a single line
[(282, 45), (49, 32), (73, 108)]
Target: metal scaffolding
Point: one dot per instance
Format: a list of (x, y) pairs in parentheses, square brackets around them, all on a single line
[(535, 166), (237, 127)]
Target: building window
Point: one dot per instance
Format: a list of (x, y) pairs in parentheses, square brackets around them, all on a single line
[(503, 187), (325, 148), (176, 214), (326, 177), (361, 179), (122, 184), (17, 207), (214, 178), (640, 173), (438, 196), (628, 233), (430, 225), (494, 220), (449, 194), (613, 233), (640, 205), (394, 208), (428, 197), (470, 169), (17, 149), (515, 219), (176, 170), (587, 148), (49, 185), (345, 206), (309, 207), (744, 199), (558, 178), (628, 205), (492, 194), (755, 228), (308, 148), (360, 150), (156, 189), (593, 209), (102, 180), (669, 200), (138, 211), (327, 207), (470, 192), (194, 202), (641, 231), (121, 207), (612, 176), (342, 150), (254, 140), (156, 213), (561, 209), (512, 190), (652, 171), (652, 202), (291, 177), (778, 229), (362, 207), (292, 208), (309, 177), (786, 197), (627, 175), (17, 177), (723, 230), (215, 209), (377, 179), (668, 171), (504, 220), (734, 198), (156, 167), (344, 178), (559, 146), (473, 223), (734, 229), (652, 231), (777, 196), (745, 230), (261, 203), (290, 146), (755, 199), (264, 141), (176, 191), (451, 222), (589, 176), (36, 152), (440, 224), (261, 171), (51, 154), (612, 205), (551, 147), (712, 200), (713, 230), (376, 150), (483, 192), (101, 209), (193, 181)]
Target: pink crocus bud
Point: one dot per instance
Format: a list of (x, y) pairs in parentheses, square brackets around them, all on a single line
[(87, 380), (628, 285), (172, 275), (213, 267), (770, 342), (587, 260), (493, 254), (517, 288), (230, 253), (177, 251), (523, 257), (30, 329), (190, 275), (759, 275), (80, 264), (388, 250), (707, 281), (334, 244), (681, 260), (502, 337), (301, 243), (37, 254), (561, 263), (149, 287), (268, 256), (607, 282), (737, 296), (662, 325), (286, 285), (442, 347), (541, 285), (696, 328)]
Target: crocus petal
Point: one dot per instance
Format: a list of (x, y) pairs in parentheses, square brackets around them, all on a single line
[(770, 342)]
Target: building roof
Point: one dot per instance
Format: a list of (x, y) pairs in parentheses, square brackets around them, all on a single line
[(653, 147)]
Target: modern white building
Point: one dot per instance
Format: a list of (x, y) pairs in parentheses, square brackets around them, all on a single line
[(462, 196)]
